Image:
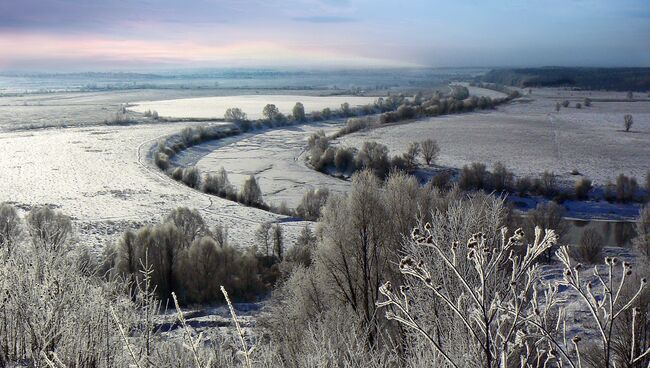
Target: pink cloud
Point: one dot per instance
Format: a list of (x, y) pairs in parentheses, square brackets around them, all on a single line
[(39, 48)]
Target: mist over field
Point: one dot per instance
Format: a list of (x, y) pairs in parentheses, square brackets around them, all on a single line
[(324, 183)]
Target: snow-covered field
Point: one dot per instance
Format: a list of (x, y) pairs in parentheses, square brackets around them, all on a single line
[(528, 136), (103, 178), (252, 105), (276, 158)]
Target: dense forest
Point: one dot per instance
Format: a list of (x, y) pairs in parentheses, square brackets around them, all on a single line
[(617, 79)]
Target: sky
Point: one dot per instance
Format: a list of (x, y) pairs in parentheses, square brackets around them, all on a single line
[(97, 35)]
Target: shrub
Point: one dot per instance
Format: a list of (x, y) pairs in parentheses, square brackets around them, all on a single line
[(191, 177), (251, 194), (177, 173), (387, 118), (630, 95), (10, 227), (373, 156), (298, 112), (405, 112), (473, 177), (218, 184), (326, 113), (557, 107), (459, 92), (565, 103), (235, 114), (590, 247), (546, 185), (302, 251), (344, 159), (399, 163), (582, 188), (311, 203), (345, 109), (627, 122), (49, 230), (524, 185), (578, 105), (430, 151), (442, 180), (587, 101), (207, 266), (162, 161), (626, 188), (502, 179), (610, 191), (411, 156), (316, 116), (354, 125)]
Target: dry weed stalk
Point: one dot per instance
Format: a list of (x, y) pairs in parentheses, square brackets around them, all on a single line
[(245, 351), (523, 320)]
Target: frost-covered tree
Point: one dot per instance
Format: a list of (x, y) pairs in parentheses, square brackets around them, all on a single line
[(299, 112), (251, 194), (271, 112), (235, 114)]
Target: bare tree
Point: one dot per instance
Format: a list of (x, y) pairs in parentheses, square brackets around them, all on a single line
[(627, 122), (411, 156), (430, 151), (590, 247)]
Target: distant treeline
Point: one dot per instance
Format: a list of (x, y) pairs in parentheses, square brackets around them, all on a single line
[(617, 79)]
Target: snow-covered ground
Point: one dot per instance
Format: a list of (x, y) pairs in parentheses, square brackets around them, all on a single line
[(103, 178), (252, 105), (528, 136), (276, 158)]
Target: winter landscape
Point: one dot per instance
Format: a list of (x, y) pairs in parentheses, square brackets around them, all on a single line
[(340, 184)]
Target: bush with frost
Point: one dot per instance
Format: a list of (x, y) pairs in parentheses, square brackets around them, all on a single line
[(191, 177), (311, 203), (10, 227), (251, 194)]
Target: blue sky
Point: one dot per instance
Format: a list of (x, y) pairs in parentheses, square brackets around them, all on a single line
[(149, 34)]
